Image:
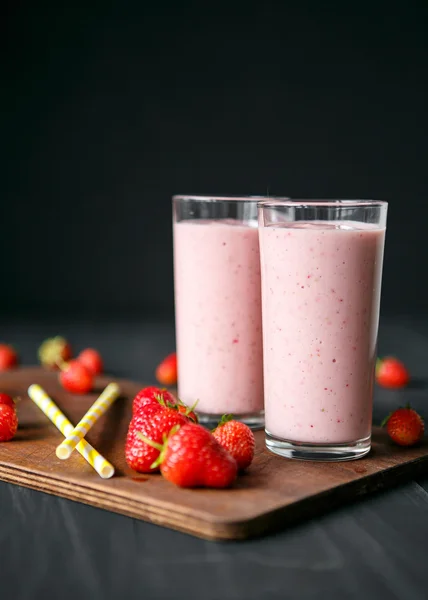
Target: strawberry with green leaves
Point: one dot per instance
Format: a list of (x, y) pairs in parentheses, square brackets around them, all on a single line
[(154, 426), (237, 438), (54, 351), (152, 395), (191, 457)]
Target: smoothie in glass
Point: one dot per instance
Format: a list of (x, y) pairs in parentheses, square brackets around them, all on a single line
[(321, 294), (218, 314)]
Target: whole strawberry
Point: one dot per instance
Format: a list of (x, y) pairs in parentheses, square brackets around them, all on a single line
[(8, 357), (141, 456), (192, 457), (238, 439), (152, 395), (166, 372), (404, 426), (391, 373), (8, 422), (54, 351), (76, 378), (92, 360), (6, 399)]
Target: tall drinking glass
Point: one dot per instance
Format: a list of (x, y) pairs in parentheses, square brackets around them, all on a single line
[(321, 268), (218, 306)]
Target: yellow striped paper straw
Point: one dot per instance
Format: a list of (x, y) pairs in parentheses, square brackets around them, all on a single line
[(98, 408), (50, 409)]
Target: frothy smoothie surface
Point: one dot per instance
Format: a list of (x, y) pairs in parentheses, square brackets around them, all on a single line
[(321, 293), (218, 315)]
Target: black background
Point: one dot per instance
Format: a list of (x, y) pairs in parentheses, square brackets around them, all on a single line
[(110, 109)]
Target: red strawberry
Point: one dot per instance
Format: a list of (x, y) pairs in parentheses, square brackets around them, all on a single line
[(192, 457), (92, 360), (237, 438), (391, 373), (166, 372), (8, 423), (404, 426), (8, 357), (141, 456), (149, 395), (54, 351), (6, 399), (76, 378)]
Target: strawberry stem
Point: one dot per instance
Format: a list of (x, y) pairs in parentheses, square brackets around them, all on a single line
[(386, 419), (164, 446), (61, 364), (149, 442), (191, 408)]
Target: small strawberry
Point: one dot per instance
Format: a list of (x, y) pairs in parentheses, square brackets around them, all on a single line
[(166, 372), (192, 457), (391, 373), (141, 456), (237, 438), (53, 351), (6, 399), (8, 357), (404, 426), (92, 360), (8, 423), (76, 378)]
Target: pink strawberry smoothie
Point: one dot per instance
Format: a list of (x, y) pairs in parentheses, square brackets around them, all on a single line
[(218, 316), (321, 292)]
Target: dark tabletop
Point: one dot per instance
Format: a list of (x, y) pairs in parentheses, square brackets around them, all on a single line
[(52, 548)]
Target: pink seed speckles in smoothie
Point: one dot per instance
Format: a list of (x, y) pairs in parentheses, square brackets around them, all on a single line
[(320, 336), (218, 316)]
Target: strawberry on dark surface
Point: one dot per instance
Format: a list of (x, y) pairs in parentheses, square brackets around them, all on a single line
[(238, 439), (54, 351), (92, 360), (6, 399), (391, 373), (139, 455), (404, 426), (8, 422), (8, 357), (76, 378), (166, 372), (192, 457)]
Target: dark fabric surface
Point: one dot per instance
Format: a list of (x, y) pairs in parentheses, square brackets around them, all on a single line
[(56, 549)]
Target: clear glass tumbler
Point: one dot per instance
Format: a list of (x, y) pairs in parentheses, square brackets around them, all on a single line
[(321, 269), (218, 307)]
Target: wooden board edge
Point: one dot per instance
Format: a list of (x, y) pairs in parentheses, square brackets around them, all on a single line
[(277, 519), (141, 511)]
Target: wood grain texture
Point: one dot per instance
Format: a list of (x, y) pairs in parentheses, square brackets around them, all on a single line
[(274, 492)]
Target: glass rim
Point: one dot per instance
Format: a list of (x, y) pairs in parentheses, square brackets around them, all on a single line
[(202, 198), (322, 203)]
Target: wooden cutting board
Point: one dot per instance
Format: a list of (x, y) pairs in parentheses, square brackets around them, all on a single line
[(275, 491)]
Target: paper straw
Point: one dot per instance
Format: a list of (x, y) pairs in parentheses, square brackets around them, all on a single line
[(49, 408), (98, 408)]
